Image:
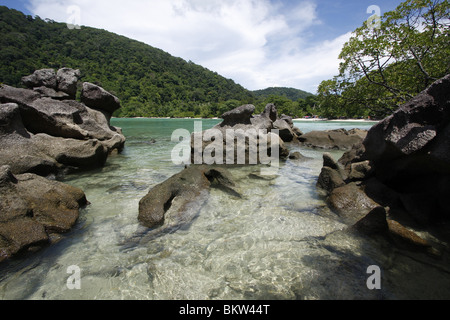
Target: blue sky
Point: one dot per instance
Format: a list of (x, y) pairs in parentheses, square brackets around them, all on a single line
[(257, 43)]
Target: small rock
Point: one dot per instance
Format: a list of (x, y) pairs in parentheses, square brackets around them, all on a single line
[(296, 156), (360, 170), (52, 93), (285, 130), (241, 114), (350, 202), (297, 131), (328, 161), (98, 98), (400, 231), (43, 77), (67, 81), (329, 179), (340, 139)]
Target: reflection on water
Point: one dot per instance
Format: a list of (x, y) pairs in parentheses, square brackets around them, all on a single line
[(280, 241)]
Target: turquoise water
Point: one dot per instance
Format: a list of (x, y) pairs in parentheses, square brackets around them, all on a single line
[(280, 241)]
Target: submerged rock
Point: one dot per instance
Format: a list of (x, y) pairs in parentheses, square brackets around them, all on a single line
[(176, 202), (297, 156), (181, 193), (339, 139), (32, 209)]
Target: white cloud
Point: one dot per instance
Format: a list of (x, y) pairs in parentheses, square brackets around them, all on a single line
[(257, 43)]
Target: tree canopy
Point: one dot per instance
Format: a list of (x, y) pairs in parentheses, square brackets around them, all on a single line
[(290, 93), (148, 81), (387, 64)]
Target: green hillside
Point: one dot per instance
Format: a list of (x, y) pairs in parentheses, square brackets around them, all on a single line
[(290, 93), (149, 81)]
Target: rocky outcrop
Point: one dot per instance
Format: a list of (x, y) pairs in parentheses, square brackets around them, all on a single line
[(403, 165), (59, 85), (178, 199), (34, 211), (45, 131), (339, 139), (252, 137)]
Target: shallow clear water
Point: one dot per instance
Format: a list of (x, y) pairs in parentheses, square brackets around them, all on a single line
[(280, 241)]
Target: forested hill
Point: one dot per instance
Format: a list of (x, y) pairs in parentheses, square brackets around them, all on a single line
[(148, 81), (290, 93)]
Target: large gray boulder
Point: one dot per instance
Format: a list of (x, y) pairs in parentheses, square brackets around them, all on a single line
[(46, 135), (286, 130), (41, 153)]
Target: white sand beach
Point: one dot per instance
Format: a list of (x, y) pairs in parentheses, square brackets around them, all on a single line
[(335, 120)]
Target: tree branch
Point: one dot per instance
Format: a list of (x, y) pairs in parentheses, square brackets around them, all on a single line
[(394, 91)]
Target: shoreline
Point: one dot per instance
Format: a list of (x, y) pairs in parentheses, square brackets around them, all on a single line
[(334, 120), (296, 119)]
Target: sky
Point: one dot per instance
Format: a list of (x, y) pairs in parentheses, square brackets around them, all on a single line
[(256, 43)]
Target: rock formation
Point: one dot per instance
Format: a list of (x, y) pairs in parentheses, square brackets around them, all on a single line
[(252, 137), (339, 139), (44, 131), (175, 202), (403, 165), (34, 211)]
